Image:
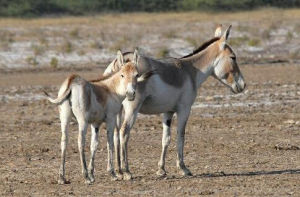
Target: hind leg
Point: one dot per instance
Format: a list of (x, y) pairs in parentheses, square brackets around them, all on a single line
[(118, 170), (82, 126), (65, 116), (93, 147), (182, 117), (167, 119), (116, 140), (110, 124)]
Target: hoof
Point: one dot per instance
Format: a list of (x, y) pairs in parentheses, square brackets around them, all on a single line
[(161, 173), (119, 175), (61, 181), (92, 179), (113, 176), (127, 176), (186, 172), (88, 182)]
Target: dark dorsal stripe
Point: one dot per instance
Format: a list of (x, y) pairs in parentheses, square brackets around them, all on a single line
[(202, 47)]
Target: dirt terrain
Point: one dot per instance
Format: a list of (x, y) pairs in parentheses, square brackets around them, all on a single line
[(236, 145)]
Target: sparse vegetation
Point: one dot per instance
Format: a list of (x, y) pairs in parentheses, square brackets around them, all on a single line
[(119, 44), (32, 61), (192, 41), (289, 36), (54, 62), (170, 34), (164, 52), (266, 34), (38, 49), (238, 41), (74, 33), (254, 42), (45, 38), (96, 45), (43, 41), (30, 8), (67, 46)]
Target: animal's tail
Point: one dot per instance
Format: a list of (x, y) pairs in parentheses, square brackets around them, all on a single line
[(64, 95)]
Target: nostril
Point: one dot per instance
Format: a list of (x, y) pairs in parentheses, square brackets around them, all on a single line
[(133, 94)]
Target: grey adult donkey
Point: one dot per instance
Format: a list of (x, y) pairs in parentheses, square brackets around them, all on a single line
[(173, 89)]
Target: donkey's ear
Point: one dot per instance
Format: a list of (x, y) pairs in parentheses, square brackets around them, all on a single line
[(218, 31), (135, 56), (224, 37), (226, 33), (120, 58)]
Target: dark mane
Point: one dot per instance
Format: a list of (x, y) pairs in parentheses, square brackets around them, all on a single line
[(202, 47)]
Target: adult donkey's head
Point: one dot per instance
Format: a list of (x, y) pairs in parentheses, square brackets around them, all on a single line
[(226, 69)]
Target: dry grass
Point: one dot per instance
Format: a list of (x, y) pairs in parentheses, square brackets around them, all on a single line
[(159, 34), (146, 18)]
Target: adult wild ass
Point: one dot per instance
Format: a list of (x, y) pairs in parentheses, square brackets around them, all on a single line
[(94, 103), (173, 90)]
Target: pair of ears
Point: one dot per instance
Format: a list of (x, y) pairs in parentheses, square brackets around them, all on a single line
[(120, 57), (223, 37)]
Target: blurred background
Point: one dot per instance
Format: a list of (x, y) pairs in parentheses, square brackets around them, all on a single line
[(61, 33)]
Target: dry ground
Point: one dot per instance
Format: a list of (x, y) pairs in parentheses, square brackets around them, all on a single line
[(236, 145), (243, 145)]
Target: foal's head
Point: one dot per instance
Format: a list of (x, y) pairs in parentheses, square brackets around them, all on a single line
[(226, 68), (128, 76)]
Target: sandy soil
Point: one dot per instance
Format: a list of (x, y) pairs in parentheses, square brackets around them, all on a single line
[(236, 145)]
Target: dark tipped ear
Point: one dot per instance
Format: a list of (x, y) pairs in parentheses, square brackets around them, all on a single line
[(120, 58), (135, 56), (226, 33), (224, 38), (146, 75), (218, 31)]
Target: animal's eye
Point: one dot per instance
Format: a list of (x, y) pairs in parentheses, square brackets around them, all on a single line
[(122, 75), (137, 75), (233, 58), (225, 76)]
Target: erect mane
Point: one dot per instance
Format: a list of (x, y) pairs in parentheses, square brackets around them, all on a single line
[(202, 47)]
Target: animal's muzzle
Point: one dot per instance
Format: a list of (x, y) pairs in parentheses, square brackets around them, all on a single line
[(130, 95), (239, 86)]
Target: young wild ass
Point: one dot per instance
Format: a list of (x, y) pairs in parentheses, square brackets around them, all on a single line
[(94, 103), (173, 90)]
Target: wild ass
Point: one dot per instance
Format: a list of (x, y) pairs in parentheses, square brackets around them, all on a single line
[(173, 90), (94, 103)]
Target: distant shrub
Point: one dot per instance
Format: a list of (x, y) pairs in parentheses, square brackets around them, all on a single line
[(74, 33), (164, 52), (254, 42), (67, 47), (31, 60), (54, 62), (238, 41), (30, 8)]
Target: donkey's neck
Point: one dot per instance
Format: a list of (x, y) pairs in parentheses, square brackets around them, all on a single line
[(111, 84), (202, 64)]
